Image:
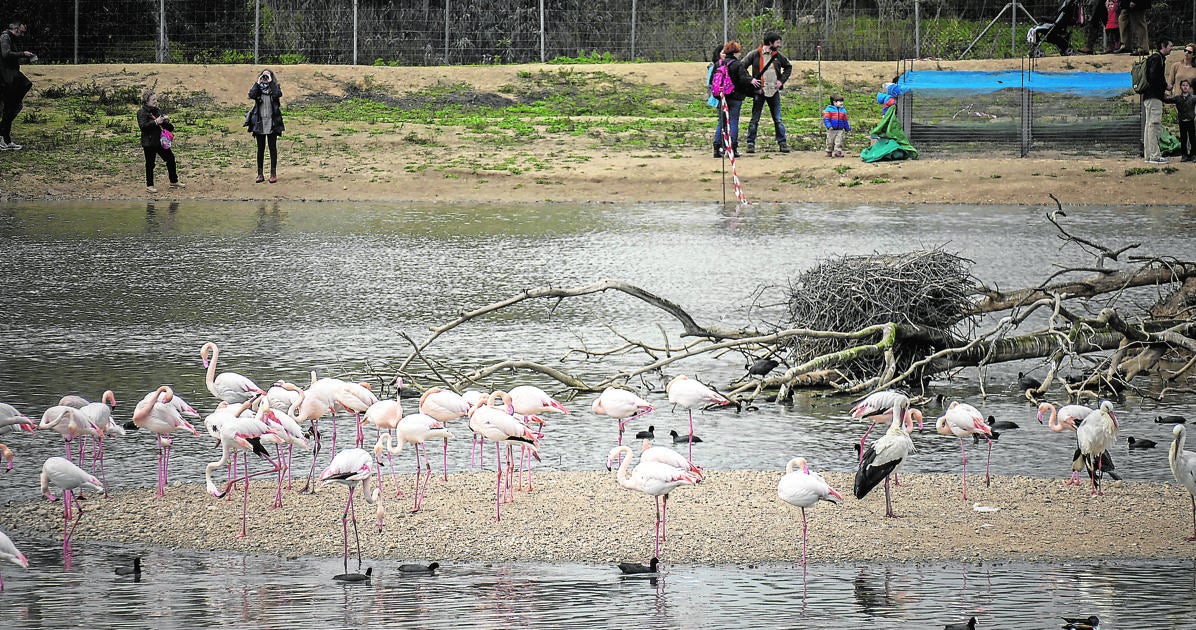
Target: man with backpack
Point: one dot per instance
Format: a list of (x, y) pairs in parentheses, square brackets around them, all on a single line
[(769, 70), (1152, 102)]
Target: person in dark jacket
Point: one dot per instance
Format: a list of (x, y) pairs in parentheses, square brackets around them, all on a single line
[(152, 121), (769, 70), (1131, 17), (1185, 111), (743, 88), (1152, 102), (265, 120), (13, 84)]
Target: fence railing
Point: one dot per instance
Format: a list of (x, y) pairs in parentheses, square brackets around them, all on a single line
[(434, 32)]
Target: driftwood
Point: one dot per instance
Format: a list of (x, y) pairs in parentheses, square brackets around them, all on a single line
[(923, 322)]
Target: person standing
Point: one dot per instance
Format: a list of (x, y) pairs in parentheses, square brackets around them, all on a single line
[(1131, 18), (1152, 102), (729, 120), (1185, 110), (1094, 23), (834, 118), (265, 120), (152, 122), (769, 70), (1185, 69), (13, 84)]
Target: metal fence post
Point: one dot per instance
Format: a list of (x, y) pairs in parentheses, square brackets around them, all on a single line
[(726, 23), (446, 32), (543, 57), (354, 32), (161, 31), (257, 29), (632, 30), (917, 30), (76, 32)]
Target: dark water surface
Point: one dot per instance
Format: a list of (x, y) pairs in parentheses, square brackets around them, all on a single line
[(121, 296)]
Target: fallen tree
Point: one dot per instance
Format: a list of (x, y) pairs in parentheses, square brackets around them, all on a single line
[(860, 324)]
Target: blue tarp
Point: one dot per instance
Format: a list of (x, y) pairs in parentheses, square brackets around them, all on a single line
[(1092, 84)]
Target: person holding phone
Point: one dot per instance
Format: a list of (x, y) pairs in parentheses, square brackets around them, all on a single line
[(265, 120)]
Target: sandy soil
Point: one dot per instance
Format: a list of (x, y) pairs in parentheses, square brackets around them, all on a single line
[(733, 517), (376, 167)]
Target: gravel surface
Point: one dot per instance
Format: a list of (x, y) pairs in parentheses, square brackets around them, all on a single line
[(733, 517)]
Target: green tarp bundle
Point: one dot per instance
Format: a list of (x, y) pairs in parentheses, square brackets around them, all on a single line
[(1168, 143), (892, 143)]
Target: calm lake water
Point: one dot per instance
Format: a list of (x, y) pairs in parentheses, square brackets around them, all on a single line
[(120, 296)]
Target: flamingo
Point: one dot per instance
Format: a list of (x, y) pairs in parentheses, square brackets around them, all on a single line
[(622, 405), (689, 393), (6, 455), (230, 387), (960, 420), (1183, 466), (804, 488), (356, 397), (352, 467), (100, 415), (883, 406), (881, 460), (415, 429), (161, 413), (283, 396), (1066, 418), (668, 456), (444, 405), (315, 402), (528, 401), (287, 431), (245, 433), (385, 415), (10, 553), (499, 426), (59, 472), (653, 479), (10, 417), (1095, 435), (70, 423)]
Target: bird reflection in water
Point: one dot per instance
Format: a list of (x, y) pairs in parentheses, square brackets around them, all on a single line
[(157, 222), (876, 595)]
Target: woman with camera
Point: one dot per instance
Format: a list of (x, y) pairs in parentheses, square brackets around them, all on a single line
[(265, 120), (154, 142)]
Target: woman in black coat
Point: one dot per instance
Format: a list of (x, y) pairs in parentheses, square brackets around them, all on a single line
[(152, 121), (265, 120)]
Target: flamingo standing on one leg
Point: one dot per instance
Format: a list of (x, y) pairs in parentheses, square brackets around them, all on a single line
[(385, 416), (1183, 466), (352, 467), (230, 387), (690, 394), (445, 406), (59, 472), (962, 419), (804, 488), (415, 429), (161, 413), (653, 479), (622, 405), (10, 553), (1095, 435), (882, 459)]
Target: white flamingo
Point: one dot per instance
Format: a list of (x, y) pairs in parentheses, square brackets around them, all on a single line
[(415, 429), (622, 405), (10, 553), (654, 479), (1066, 418), (690, 394), (61, 473), (962, 419), (230, 387), (499, 426), (444, 405), (804, 488), (881, 407), (352, 467), (161, 413), (1183, 466)]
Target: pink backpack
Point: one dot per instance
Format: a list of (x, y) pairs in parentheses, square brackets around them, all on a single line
[(721, 83)]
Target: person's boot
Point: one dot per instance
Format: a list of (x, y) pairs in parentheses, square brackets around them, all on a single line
[(735, 149), (718, 151), (782, 145), (751, 148)]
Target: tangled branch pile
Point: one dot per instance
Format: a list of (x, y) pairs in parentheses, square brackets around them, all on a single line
[(929, 289)]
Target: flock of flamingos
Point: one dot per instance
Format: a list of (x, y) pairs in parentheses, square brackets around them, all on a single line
[(250, 419)]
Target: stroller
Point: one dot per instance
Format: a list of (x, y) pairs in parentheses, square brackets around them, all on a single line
[(1057, 32)]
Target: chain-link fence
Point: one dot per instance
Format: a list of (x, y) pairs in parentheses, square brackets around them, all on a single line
[(433, 32)]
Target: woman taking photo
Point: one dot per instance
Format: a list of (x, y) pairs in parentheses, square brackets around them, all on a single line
[(152, 122), (265, 120)]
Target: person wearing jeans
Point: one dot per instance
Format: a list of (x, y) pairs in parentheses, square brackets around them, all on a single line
[(769, 70), (729, 120)]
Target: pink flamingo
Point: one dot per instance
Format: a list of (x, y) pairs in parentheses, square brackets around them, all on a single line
[(445, 406), (880, 407), (961, 420), (622, 405), (804, 488), (317, 401), (59, 472), (667, 456), (883, 459), (385, 416), (655, 480), (689, 394), (499, 426), (70, 423), (100, 415), (230, 387), (357, 398), (161, 413), (247, 434), (352, 467), (286, 432), (10, 553), (414, 429), (1066, 418)]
